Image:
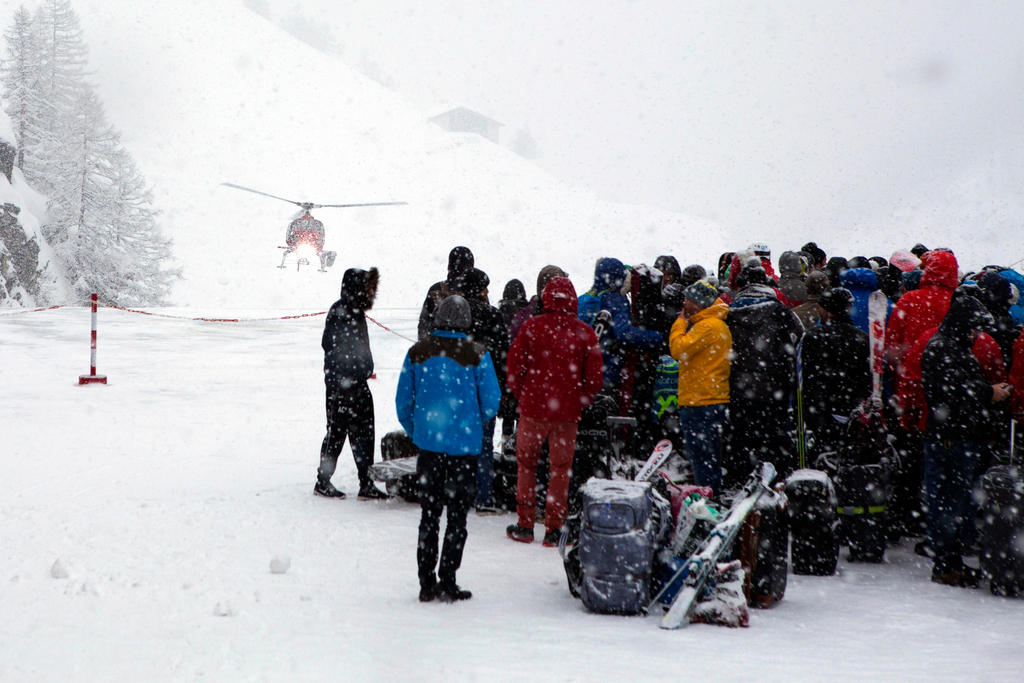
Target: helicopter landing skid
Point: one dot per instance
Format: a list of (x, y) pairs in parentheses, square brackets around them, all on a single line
[(285, 256)]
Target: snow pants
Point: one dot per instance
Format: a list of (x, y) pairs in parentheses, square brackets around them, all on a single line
[(349, 415), (949, 470), (702, 428), (445, 481), (561, 438), (485, 467), (758, 432)]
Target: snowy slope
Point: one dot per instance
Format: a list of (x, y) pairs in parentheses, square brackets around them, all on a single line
[(166, 494), (210, 92)]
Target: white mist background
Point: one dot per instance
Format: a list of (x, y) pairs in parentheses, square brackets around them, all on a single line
[(863, 125)]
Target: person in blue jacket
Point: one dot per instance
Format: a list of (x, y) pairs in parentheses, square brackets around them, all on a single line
[(861, 282), (606, 295), (447, 390)]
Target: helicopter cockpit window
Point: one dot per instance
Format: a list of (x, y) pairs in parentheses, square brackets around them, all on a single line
[(305, 229), (307, 224)]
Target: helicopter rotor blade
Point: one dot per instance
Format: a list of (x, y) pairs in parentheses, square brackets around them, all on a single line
[(348, 206), (265, 194)]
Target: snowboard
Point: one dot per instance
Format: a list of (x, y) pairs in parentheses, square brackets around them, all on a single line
[(877, 308)]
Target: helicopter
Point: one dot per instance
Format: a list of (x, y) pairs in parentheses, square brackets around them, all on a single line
[(305, 236)]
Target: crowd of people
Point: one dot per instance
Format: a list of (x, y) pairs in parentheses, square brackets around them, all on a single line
[(736, 366)]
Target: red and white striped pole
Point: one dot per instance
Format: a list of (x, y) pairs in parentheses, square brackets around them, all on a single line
[(92, 377)]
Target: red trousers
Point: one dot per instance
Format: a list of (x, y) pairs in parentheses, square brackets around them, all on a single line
[(561, 437)]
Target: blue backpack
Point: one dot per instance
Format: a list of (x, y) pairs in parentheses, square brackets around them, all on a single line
[(589, 305), (590, 310)]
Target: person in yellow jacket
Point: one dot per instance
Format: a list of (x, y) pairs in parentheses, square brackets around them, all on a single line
[(701, 342)]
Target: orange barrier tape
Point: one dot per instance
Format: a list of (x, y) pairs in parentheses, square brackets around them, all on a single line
[(14, 312), (200, 319), (213, 320)]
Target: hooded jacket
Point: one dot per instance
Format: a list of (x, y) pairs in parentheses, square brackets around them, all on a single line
[(960, 405), (534, 305), (790, 282), (554, 364), (460, 260), (447, 389), (346, 344), (1017, 280), (835, 369), (488, 326), (922, 308), (861, 282), (702, 344), (513, 299), (764, 340), (996, 295), (609, 277)]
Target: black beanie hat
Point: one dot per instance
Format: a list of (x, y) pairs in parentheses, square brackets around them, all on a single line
[(474, 282), (838, 301)]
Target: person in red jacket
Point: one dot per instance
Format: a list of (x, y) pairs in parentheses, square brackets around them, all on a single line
[(920, 309), (554, 370), (1017, 379)]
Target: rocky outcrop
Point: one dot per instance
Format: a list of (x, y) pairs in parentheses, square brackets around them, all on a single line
[(7, 154), (19, 260)]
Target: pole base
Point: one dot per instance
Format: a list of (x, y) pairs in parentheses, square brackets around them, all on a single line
[(92, 379)]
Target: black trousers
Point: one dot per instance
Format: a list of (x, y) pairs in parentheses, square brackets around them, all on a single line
[(349, 415), (757, 432), (445, 481)]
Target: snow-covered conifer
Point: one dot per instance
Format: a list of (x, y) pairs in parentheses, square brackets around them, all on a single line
[(20, 73), (100, 222)]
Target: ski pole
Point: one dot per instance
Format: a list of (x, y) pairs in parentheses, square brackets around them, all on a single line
[(1013, 435)]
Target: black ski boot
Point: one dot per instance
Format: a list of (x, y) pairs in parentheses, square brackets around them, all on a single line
[(428, 591), (452, 593), (518, 533), (371, 492)]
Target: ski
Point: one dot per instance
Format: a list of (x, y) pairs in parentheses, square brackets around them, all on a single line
[(801, 425), (877, 309), (702, 564), (659, 456)]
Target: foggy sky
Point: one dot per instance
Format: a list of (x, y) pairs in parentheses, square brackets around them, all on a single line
[(854, 123)]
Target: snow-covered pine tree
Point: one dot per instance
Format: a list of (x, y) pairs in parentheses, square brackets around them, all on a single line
[(20, 72), (61, 78), (101, 223), (113, 245)]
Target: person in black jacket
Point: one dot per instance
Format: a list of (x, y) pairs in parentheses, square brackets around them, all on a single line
[(513, 300), (489, 330), (960, 401), (762, 380), (996, 295), (836, 372), (348, 364), (460, 260)]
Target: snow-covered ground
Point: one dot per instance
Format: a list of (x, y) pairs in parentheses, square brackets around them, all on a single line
[(165, 495), (139, 520)]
